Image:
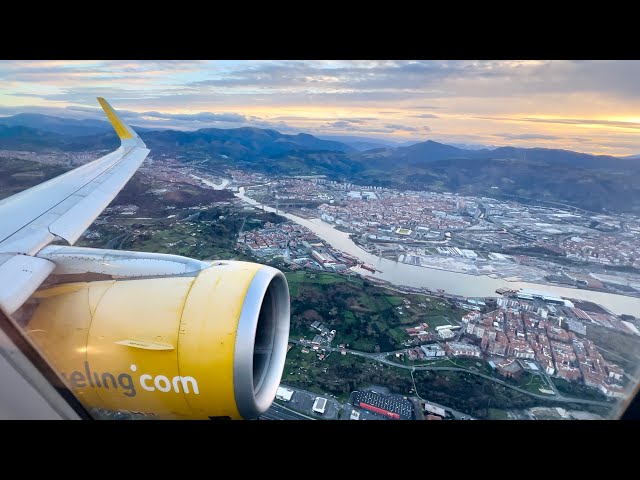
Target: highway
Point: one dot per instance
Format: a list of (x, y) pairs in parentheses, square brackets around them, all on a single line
[(280, 412)]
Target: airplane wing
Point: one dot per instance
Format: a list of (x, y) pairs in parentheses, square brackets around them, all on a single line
[(60, 209)]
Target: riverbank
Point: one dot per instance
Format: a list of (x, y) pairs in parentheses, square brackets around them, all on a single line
[(454, 283)]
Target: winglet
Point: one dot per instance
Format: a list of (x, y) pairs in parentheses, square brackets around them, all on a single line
[(124, 131)]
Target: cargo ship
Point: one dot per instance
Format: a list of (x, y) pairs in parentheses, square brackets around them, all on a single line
[(370, 268)]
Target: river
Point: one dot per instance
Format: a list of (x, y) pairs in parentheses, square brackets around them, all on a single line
[(451, 282), (215, 186)]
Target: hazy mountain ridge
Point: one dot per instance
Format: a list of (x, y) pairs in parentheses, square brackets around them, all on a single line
[(63, 126), (594, 182), (360, 143), (234, 141)]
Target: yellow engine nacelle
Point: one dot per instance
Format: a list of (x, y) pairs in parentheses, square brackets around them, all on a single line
[(208, 345)]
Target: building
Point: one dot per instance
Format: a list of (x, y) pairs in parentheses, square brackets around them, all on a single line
[(446, 334), (612, 391), (576, 326), (355, 415), (433, 409), (470, 317), (445, 327), (520, 349), (395, 407), (497, 348), (567, 372), (615, 372), (434, 350), (528, 294), (458, 349), (322, 259), (284, 394), (510, 369), (320, 405)]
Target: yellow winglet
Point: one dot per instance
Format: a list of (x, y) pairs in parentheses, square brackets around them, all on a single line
[(122, 129)]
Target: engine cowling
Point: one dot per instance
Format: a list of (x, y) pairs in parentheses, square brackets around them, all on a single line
[(208, 345)]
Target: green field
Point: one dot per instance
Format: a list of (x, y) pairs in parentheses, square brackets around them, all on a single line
[(496, 414), (202, 235), (304, 277), (19, 174), (339, 374), (476, 395), (365, 317), (578, 390), (394, 300), (533, 383)]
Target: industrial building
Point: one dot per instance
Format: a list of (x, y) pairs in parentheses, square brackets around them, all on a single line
[(446, 334), (284, 394), (395, 407), (447, 327), (528, 294), (320, 405), (433, 409), (433, 350)]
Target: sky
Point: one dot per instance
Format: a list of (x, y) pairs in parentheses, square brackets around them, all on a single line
[(587, 106)]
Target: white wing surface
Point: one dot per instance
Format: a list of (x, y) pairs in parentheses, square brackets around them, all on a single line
[(60, 209)]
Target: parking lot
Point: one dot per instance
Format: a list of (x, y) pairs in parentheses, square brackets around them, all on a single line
[(397, 404), (302, 401)]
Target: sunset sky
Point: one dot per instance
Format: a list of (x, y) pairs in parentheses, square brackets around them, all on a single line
[(588, 106)]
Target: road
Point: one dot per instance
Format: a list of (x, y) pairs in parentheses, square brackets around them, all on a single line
[(280, 412), (381, 357)]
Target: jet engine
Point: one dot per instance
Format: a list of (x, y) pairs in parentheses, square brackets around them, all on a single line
[(202, 342)]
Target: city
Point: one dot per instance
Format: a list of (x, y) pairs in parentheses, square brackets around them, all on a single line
[(526, 339), (321, 240), (529, 339), (471, 235)]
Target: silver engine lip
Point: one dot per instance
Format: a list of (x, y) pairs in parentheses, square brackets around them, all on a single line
[(251, 401)]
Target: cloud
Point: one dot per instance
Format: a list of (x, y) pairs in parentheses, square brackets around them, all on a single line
[(326, 119), (206, 117), (569, 121), (557, 101), (526, 136), (152, 119), (190, 118), (402, 128), (340, 124), (333, 81)]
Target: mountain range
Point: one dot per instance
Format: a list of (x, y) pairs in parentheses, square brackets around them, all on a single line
[(593, 182)]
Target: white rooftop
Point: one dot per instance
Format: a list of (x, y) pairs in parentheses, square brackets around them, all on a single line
[(319, 405), (284, 394)]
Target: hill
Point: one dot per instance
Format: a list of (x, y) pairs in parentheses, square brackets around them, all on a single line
[(593, 182), (63, 126)]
